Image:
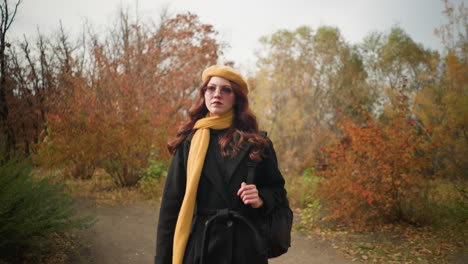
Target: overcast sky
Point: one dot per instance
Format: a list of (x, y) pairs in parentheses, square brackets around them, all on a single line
[(241, 23)]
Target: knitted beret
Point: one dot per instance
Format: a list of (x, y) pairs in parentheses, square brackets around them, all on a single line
[(227, 73)]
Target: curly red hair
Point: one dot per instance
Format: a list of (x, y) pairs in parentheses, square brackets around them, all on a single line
[(244, 126)]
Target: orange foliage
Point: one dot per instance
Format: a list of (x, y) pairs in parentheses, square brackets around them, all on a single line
[(139, 85), (374, 170)]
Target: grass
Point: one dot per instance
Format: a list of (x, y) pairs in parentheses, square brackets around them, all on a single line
[(398, 243), (59, 250), (102, 190)]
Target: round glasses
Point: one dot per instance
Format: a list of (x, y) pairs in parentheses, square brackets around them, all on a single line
[(224, 90)]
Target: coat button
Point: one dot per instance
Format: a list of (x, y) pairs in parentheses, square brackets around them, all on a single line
[(229, 223)]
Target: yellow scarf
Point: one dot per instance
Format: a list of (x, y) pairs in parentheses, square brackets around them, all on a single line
[(196, 158)]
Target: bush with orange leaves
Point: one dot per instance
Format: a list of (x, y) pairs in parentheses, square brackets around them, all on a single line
[(139, 83), (374, 173)]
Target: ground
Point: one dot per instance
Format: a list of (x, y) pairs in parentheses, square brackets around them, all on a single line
[(126, 234)]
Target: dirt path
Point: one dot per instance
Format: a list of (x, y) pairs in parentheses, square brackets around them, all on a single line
[(126, 234)]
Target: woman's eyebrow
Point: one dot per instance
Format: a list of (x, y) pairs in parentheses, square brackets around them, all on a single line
[(223, 86)]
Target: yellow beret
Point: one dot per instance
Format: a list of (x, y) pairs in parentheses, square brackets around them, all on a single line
[(227, 73)]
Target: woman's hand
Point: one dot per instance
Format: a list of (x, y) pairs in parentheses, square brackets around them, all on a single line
[(249, 195)]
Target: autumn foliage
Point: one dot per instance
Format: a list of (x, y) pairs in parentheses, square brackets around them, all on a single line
[(108, 100), (366, 133), (374, 171), (444, 109), (113, 98), (124, 106), (380, 125)]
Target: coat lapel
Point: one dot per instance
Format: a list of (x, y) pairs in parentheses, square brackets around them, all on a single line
[(214, 174), (233, 163)]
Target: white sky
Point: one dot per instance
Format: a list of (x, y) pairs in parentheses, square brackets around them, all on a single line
[(241, 23)]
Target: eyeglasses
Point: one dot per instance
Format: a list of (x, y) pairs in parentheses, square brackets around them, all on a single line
[(225, 90)]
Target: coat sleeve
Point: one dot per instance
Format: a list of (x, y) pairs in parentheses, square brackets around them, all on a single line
[(269, 181), (172, 198)]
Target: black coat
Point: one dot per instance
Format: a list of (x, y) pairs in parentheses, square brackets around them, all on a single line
[(231, 241)]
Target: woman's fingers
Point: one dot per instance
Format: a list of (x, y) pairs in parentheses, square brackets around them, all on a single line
[(249, 195), (241, 189), (245, 187)]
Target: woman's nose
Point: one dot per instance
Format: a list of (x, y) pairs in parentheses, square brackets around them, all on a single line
[(217, 93)]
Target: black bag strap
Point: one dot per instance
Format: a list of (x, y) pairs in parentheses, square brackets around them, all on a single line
[(251, 165)]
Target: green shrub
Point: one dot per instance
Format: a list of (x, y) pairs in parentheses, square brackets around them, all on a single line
[(32, 211), (441, 204), (123, 172), (151, 182), (311, 213)]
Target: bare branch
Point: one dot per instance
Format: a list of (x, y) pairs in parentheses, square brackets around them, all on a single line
[(2, 12), (13, 15)]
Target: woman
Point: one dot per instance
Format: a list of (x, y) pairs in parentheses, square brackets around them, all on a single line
[(208, 212)]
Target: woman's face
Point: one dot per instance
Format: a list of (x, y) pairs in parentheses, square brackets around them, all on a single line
[(219, 96)]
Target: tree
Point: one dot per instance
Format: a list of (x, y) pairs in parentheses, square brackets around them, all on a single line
[(388, 58), (7, 18), (374, 173), (139, 84), (303, 78), (442, 107)]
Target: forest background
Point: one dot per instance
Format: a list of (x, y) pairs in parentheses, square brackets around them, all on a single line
[(369, 136)]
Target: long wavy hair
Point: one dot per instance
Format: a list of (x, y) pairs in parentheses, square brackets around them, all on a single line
[(244, 126)]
